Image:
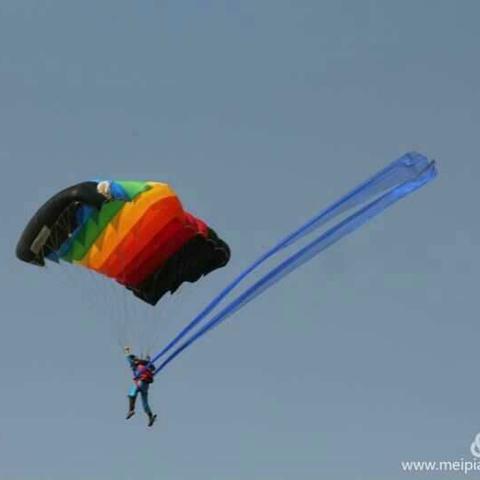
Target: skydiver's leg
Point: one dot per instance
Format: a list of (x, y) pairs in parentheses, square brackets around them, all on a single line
[(144, 394), (146, 406), (132, 397)]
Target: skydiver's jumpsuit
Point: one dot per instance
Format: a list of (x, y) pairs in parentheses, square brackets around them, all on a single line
[(142, 377)]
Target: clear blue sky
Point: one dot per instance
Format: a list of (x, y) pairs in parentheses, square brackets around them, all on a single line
[(259, 113)]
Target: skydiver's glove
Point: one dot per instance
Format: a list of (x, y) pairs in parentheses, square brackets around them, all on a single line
[(127, 350)]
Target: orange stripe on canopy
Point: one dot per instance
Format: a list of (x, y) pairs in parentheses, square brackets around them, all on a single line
[(123, 223), (139, 242)]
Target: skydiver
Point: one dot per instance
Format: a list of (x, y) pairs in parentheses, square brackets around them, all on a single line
[(142, 378)]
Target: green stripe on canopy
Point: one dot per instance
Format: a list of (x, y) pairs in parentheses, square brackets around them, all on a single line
[(91, 230), (133, 188)]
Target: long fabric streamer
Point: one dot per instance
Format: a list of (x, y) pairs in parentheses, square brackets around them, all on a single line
[(397, 180)]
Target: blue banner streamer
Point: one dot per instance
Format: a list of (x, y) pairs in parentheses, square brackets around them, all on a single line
[(397, 180)]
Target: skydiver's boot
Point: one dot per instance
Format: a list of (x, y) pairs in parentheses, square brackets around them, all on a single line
[(131, 407), (151, 419)]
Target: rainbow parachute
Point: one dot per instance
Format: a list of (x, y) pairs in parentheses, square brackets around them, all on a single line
[(134, 232)]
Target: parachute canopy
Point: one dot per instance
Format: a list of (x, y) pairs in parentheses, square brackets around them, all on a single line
[(134, 232)]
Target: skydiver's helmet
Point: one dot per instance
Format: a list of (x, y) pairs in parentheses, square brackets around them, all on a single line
[(104, 188)]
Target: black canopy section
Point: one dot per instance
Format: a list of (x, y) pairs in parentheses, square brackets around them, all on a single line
[(54, 221)]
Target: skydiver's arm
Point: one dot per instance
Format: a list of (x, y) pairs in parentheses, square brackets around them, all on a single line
[(130, 358), (131, 362)]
